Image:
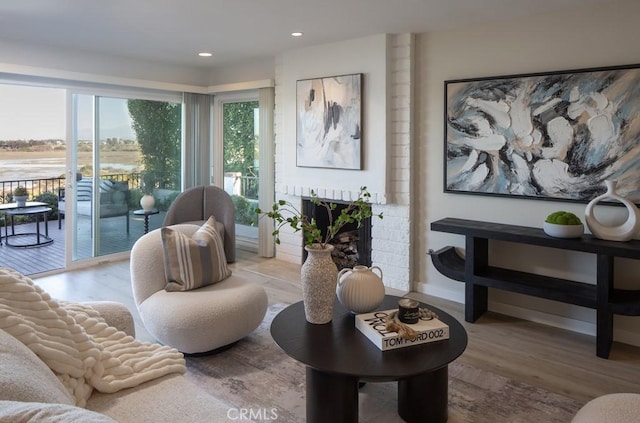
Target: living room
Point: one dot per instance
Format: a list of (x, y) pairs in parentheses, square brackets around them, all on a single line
[(403, 144)]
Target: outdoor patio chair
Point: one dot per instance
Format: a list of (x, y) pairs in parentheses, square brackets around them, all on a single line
[(114, 200)]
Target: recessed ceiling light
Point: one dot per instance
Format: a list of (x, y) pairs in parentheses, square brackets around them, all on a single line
[(205, 54), (296, 34)]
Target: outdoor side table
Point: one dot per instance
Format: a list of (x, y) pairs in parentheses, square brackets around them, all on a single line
[(27, 211), (146, 215)]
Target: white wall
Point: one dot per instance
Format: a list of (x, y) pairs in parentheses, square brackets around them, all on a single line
[(364, 55), (588, 37)]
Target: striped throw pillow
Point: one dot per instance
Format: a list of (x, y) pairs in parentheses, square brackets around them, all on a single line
[(196, 261)]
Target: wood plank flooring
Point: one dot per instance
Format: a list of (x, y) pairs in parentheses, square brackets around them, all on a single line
[(554, 359), (50, 257)]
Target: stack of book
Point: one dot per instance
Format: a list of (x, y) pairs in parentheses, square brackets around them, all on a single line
[(373, 326)]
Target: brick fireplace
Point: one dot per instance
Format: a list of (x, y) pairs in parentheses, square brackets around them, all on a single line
[(352, 245), (387, 150)]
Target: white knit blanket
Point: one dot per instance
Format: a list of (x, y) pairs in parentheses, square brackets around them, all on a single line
[(76, 343)]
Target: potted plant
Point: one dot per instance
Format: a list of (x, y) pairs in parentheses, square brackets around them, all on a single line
[(319, 273), (284, 213), (20, 195)]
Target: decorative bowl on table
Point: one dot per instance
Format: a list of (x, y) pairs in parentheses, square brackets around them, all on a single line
[(563, 224)]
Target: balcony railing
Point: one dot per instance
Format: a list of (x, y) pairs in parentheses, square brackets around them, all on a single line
[(37, 187)]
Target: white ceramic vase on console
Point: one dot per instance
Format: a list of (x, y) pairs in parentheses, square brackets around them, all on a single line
[(623, 232)]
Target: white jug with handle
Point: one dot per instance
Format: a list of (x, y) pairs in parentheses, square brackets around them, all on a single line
[(359, 289)]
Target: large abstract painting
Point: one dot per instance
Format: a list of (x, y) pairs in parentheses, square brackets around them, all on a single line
[(555, 136), (328, 122)]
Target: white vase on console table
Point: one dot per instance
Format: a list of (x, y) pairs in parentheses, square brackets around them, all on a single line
[(623, 232)]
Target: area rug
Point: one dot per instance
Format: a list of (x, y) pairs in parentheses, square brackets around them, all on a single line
[(256, 375)]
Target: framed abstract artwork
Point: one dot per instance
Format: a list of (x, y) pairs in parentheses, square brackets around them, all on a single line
[(329, 122), (552, 136)]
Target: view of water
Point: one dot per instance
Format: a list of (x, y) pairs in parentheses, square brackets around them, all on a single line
[(42, 168), (31, 168)]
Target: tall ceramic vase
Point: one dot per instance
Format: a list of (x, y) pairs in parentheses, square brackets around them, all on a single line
[(319, 277), (623, 232)]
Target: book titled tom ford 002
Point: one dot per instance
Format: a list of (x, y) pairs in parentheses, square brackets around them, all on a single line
[(373, 326)]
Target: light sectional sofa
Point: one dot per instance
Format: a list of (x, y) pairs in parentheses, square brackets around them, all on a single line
[(30, 391)]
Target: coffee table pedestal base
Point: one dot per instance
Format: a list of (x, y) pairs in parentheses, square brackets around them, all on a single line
[(331, 397), (334, 398), (424, 398)]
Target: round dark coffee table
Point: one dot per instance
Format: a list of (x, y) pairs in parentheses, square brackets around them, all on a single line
[(338, 357)]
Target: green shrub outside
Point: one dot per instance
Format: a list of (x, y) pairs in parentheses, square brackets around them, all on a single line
[(245, 210), (52, 201)]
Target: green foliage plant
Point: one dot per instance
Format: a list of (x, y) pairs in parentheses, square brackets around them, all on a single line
[(20, 191), (245, 210), (51, 200), (284, 213), (157, 125), (563, 218)]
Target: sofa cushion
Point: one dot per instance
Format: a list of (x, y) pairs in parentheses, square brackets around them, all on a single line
[(196, 261), (27, 412), (610, 408), (172, 398), (24, 377), (84, 189)]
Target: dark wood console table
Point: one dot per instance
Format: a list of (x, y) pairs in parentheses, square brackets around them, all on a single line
[(478, 276)]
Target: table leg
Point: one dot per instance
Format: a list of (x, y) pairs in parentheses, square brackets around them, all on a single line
[(424, 398), (146, 223), (476, 260), (37, 230), (331, 397), (604, 314)]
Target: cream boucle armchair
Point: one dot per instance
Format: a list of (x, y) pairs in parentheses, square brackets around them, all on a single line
[(196, 321)]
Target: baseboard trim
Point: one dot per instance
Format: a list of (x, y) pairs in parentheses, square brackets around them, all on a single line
[(574, 325)]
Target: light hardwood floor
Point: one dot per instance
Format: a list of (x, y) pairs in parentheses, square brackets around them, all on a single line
[(560, 361)]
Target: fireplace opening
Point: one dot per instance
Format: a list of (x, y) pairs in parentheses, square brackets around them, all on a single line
[(352, 245)]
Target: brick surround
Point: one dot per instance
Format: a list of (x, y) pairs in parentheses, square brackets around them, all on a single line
[(391, 236)]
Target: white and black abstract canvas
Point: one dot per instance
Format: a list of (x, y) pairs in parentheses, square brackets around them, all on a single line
[(548, 136), (328, 122)]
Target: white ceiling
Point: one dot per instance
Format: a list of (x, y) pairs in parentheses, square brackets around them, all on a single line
[(237, 31)]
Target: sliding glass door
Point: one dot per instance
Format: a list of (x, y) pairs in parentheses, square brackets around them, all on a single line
[(122, 148), (241, 165)]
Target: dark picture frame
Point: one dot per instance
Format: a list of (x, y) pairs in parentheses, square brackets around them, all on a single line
[(549, 136), (329, 122)]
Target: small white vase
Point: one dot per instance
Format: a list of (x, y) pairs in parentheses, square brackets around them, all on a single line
[(359, 289), (146, 202), (318, 276), (623, 232)]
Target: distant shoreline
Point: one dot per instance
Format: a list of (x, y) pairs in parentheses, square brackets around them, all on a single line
[(21, 165)]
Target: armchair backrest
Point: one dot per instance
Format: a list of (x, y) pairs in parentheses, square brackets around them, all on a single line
[(197, 204)]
